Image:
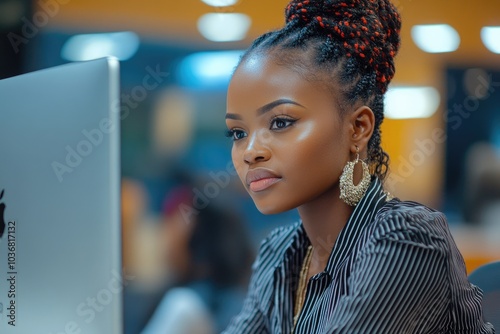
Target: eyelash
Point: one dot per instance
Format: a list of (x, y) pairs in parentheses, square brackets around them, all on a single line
[(283, 118), (231, 134)]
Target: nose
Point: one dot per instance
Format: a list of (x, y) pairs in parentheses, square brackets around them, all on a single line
[(257, 149)]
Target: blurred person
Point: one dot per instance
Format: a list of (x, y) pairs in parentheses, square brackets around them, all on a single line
[(482, 185), (304, 109), (133, 207), (139, 249), (209, 254)]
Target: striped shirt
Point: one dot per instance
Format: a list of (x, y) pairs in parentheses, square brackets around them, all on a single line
[(394, 268)]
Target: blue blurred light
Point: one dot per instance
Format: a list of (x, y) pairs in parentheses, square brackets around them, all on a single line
[(208, 70), (122, 45)]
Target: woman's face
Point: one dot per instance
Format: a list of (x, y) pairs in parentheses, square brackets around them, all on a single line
[(290, 142)]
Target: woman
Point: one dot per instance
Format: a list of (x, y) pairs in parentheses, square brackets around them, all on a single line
[(209, 253), (304, 109)]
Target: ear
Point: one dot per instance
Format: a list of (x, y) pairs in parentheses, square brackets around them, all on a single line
[(362, 123)]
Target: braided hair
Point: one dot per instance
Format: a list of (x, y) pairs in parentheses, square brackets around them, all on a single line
[(354, 42)]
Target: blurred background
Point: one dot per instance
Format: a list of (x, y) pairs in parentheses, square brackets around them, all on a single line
[(442, 131)]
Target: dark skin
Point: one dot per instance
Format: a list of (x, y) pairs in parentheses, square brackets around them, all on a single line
[(292, 141)]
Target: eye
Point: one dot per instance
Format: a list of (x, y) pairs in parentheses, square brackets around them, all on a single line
[(279, 123), (235, 134)]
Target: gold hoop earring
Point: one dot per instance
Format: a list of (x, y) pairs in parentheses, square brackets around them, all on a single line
[(350, 193)]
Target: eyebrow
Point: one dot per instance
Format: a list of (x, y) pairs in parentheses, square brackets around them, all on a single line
[(266, 108)]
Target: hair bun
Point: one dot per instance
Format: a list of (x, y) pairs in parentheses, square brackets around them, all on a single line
[(368, 30), (306, 10)]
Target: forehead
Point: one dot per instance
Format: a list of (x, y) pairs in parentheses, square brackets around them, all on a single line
[(262, 78)]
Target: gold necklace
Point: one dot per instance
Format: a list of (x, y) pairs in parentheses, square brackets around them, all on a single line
[(302, 288)]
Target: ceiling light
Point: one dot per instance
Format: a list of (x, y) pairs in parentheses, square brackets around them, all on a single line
[(491, 38), (208, 69), (122, 45), (411, 102), (220, 3), (435, 38), (224, 27)]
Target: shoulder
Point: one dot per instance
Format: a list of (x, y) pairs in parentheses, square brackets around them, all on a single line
[(275, 245), (181, 309), (273, 249), (409, 212), (281, 237), (405, 221)]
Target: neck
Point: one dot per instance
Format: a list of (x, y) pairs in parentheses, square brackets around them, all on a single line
[(323, 220)]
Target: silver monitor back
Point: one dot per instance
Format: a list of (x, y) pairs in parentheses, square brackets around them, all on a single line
[(60, 252)]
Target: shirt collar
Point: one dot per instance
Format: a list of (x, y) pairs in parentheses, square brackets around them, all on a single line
[(362, 215)]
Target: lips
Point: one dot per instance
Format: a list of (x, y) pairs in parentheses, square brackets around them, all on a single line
[(260, 179)]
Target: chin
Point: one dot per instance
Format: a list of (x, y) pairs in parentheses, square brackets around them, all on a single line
[(272, 208), (267, 211)]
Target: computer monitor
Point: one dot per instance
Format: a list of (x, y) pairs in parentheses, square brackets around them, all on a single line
[(60, 249)]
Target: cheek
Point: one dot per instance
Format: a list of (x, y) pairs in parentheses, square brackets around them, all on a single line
[(319, 153), (238, 162), (318, 142)]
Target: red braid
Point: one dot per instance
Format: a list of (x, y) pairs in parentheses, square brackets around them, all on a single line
[(367, 29)]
